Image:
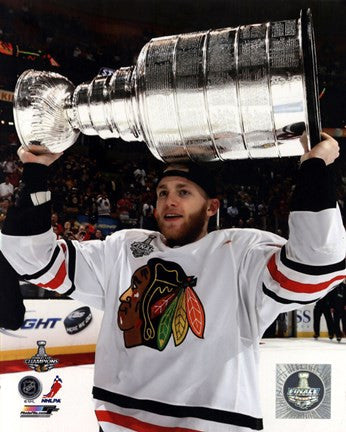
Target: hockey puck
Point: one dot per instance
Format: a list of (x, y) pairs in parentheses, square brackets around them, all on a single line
[(78, 320)]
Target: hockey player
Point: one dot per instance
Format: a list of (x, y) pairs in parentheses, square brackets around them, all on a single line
[(183, 309)]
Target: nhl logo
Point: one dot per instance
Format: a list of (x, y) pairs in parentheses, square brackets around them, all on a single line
[(29, 387), (140, 249)]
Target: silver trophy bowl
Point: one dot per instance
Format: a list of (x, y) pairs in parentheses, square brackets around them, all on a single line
[(231, 93)]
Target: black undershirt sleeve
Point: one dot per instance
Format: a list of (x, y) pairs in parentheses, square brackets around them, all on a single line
[(24, 219), (315, 187), (12, 309)]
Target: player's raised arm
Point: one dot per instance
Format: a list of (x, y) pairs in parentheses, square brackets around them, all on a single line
[(313, 260), (306, 267), (31, 247)]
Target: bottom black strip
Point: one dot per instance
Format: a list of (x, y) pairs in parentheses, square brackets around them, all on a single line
[(179, 411), (71, 265), (282, 300)]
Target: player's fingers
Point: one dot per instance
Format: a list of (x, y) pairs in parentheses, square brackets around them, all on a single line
[(304, 141)]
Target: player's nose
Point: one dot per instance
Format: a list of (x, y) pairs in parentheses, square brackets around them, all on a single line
[(172, 199)]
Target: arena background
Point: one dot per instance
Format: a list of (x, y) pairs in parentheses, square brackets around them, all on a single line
[(78, 37)]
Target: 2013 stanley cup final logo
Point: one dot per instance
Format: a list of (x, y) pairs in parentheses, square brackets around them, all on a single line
[(303, 397), (139, 249), (303, 391)]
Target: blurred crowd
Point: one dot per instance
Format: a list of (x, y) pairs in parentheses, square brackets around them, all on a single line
[(51, 32)]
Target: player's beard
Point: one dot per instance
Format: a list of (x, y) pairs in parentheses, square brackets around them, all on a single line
[(188, 232)]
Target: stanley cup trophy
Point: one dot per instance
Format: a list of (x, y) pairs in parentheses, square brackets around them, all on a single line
[(231, 93)]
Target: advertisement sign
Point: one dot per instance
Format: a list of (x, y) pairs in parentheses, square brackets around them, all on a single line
[(6, 96), (51, 327), (305, 322)]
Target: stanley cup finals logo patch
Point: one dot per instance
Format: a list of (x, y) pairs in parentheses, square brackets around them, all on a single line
[(160, 301), (139, 249)]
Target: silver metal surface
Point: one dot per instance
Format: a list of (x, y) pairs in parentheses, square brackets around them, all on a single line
[(40, 111), (231, 93)]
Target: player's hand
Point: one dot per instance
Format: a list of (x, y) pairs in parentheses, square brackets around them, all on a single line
[(36, 155), (328, 149)]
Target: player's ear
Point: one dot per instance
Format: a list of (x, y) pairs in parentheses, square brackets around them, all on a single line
[(213, 206)]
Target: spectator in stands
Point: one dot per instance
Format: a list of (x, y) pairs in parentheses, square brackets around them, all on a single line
[(4, 205), (15, 177), (103, 205), (57, 231), (88, 204), (72, 203), (232, 215), (140, 176), (6, 189), (148, 219), (58, 228), (67, 226), (262, 214), (9, 165), (124, 206), (98, 235)]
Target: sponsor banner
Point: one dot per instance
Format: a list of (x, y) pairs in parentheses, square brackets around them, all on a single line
[(6, 96), (106, 224), (305, 322), (62, 326), (78, 320), (303, 391)]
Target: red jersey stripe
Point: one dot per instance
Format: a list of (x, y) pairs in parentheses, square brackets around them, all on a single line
[(57, 280), (294, 286), (135, 424)]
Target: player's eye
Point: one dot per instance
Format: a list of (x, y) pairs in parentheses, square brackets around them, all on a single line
[(162, 193), (184, 192)]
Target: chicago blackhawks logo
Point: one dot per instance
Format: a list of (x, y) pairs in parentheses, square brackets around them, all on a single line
[(160, 301)]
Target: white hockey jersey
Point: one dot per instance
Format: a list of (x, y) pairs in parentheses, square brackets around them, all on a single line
[(178, 348)]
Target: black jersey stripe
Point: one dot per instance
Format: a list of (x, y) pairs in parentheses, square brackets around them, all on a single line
[(45, 269), (178, 411), (311, 269), (282, 300), (71, 265)]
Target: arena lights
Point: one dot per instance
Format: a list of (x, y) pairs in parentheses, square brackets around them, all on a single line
[(10, 123)]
